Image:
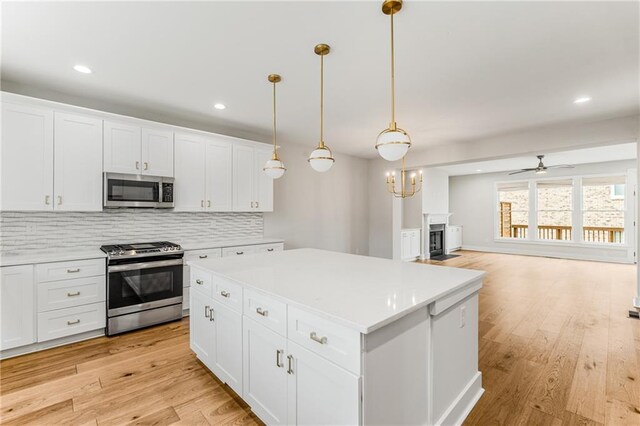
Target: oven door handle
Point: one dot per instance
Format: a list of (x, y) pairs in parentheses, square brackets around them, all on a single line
[(144, 265)]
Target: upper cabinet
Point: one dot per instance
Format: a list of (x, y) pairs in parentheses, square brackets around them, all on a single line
[(27, 158), (252, 188), (135, 150)]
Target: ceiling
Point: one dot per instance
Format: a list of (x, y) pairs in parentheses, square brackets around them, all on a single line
[(464, 70), (626, 151)]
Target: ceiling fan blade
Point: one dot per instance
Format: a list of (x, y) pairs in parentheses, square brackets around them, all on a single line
[(521, 171), (561, 166)]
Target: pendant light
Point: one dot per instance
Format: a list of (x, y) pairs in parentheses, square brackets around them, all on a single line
[(321, 159), (393, 142), (274, 168), (416, 184)]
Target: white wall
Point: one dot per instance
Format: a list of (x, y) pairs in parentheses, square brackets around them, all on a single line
[(321, 210), (472, 202), (435, 198)]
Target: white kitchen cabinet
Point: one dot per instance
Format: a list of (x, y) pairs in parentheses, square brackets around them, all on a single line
[(252, 188), (77, 163), (157, 152), (190, 178), (122, 147), (219, 176), (265, 374), (315, 384), (27, 158), (228, 346), (202, 331), (410, 243), (454, 237), (17, 301)]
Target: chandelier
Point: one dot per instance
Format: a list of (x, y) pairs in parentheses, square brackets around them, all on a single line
[(403, 192)]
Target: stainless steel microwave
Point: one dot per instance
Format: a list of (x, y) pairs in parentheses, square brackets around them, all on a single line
[(124, 190)]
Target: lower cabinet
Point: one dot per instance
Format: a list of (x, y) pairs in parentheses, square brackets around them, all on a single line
[(17, 306), (202, 334), (410, 243)]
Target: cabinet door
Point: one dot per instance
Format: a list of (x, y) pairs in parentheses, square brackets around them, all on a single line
[(415, 243), (27, 158), (202, 331), (122, 146), (157, 152), (189, 185), (219, 185), (265, 377), (77, 163), (263, 184), (228, 347), (319, 392), (405, 247), (17, 301), (243, 178)]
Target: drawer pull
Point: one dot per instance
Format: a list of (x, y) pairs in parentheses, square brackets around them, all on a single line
[(206, 312), (270, 249), (75, 293), (211, 314), (203, 256), (73, 322), (225, 294), (314, 336), (290, 366), (72, 271), (239, 253), (199, 282), (262, 312), (279, 363)]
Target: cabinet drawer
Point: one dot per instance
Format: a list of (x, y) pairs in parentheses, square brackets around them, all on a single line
[(69, 321), (239, 251), (202, 254), (65, 294), (332, 341), (201, 281), (266, 311), (227, 293), (68, 270), (268, 248)]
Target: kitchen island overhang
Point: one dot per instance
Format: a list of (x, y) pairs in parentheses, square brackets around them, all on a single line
[(378, 341)]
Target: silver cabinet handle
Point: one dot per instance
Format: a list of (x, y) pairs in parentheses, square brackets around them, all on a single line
[(225, 294), (206, 312), (270, 249), (75, 293), (203, 256), (59, 199), (314, 336), (146, 165), (279, 354), (290, 366), (262, 312), (46, 200), (137, 165), (257, 204), (72, 271), (252, 204), (202, 203), (211, 314), (239, 253), (73, 322), (208, 203), (199, 282)]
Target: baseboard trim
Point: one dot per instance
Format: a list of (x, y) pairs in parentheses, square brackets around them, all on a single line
[(464, 403), (547, 254), (40, 346)]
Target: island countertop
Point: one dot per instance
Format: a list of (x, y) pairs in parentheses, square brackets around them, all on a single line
[(360, 292)]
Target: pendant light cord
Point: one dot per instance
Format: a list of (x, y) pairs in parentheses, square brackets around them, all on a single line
[(393, 90), (274, 120), (321, 101)]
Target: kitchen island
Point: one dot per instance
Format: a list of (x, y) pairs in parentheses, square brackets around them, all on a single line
[(316, 337)]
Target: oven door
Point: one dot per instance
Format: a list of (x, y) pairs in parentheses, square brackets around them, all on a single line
[(122, 190), (135, 287)]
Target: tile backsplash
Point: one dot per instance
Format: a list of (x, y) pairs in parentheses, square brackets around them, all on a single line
[(23, 231)]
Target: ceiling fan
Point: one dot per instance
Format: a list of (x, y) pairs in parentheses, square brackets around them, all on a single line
[(541, 169)]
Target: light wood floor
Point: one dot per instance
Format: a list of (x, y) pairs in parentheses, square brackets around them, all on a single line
[(556, 347)]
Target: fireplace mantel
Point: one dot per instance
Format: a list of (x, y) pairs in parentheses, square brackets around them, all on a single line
[(429, 219)]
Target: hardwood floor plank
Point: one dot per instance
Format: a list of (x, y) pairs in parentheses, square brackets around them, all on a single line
[(166, 416)]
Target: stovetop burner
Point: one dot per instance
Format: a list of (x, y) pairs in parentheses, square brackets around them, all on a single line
[(141, 249)]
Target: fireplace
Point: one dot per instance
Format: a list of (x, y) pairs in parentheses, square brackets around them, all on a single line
[(436, 240)]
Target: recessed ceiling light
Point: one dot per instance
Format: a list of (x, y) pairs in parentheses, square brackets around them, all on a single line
[(83, 69), (478, 170), (582, 100), (220, 106)]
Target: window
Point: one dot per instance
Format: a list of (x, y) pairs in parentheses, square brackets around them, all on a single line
[(513, 210), (603, 209), (554, 211)]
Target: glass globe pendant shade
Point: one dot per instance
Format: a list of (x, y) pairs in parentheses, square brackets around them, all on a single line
[(274, 168), (321, 159), (393, 144)]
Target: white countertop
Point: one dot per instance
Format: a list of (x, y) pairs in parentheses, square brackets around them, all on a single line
[(61, 255), (360, 292)]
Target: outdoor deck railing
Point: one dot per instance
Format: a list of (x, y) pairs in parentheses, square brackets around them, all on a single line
[(599, 234)]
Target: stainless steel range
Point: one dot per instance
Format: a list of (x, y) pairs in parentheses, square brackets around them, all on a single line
[(144, 285)]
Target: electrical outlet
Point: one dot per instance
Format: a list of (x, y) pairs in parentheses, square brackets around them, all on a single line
[(463, 316)]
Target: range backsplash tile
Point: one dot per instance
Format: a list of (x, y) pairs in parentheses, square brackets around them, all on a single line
[(23, 231)]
